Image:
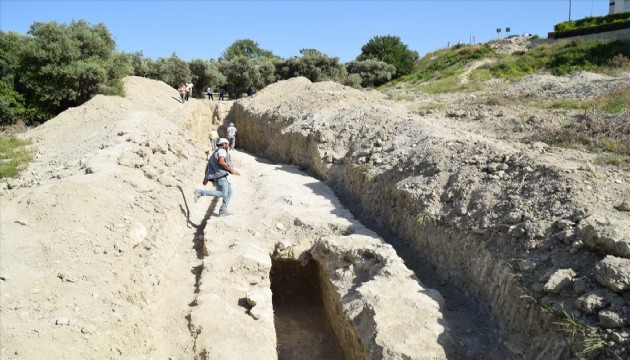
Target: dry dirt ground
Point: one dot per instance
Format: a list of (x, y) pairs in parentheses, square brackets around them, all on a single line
[(105, 255)]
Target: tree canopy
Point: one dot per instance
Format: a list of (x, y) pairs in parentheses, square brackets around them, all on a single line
[(313, 64), (245, 48), (390, 49), (59, 66)]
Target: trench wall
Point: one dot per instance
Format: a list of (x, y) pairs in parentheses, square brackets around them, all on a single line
[(458, 253)]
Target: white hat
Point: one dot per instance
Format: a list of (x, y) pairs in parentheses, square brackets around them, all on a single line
[(222, 141), (231, 124)]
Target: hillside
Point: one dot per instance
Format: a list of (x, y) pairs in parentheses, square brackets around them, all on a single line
[(437, 232)]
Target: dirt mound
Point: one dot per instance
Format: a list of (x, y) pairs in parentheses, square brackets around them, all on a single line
[(536, 232)]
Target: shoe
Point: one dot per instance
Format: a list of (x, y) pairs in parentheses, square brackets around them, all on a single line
[(196, 196), (224, 213)]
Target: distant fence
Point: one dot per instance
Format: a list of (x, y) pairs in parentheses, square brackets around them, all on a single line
[(623, 35)]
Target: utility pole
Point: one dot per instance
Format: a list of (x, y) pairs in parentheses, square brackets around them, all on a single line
[(569, 10)]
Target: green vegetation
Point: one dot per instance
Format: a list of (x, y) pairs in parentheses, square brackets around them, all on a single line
[(614, 102), (372, 72), (440, 69), (57, 66), (390, 49), (445, 63), (591, 25), (313, 64), (591, 342), (594, 133), (561, 59), (15, 155), (432, 106)]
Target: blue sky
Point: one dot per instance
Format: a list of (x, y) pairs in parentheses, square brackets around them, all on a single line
[(205, 28)]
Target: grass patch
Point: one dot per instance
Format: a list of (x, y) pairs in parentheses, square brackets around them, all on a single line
[(612, 159), (615, 102), (432, 106), (449, 84), (607, 135), (562, 59), (567, 104), (403, 97), (15, 155), (445, 63), (497, 100)]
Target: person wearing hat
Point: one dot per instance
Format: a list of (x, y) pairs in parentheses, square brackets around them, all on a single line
[(217, 170), (231, 135)]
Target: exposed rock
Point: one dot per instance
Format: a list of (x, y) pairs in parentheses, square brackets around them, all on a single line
[(614, 273)]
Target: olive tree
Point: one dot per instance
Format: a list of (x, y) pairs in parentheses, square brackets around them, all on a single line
[(66, 65), (390, 49), (245, 48), (313, 64), (205, 74), (172, 70), (371, 72), (242, 73)]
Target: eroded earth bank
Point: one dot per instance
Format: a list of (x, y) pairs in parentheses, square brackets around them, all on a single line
[(465, 247)]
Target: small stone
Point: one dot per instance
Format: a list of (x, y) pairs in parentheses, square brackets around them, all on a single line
[(279, 226), (593, 301), (62, 321), (560, 280), (610, 319), (526, 265), (563, 224), (614, 273), (624, 206)]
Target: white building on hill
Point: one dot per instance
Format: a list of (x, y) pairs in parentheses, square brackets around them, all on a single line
[(617, 6)]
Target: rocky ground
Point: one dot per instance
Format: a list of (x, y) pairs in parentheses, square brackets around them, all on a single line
[(481, 244)]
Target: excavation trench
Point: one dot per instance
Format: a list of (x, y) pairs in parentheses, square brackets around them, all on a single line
[(303, 328), (473, 278)]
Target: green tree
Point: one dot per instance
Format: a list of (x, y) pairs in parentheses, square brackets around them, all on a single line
[(371, 72), (245, 48), (204, 74), (243, 73), (66, 65), (390, 49), (172, 70), (313, 64), (141, 66)]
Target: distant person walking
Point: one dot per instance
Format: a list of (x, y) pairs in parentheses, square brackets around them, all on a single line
[(210, 93), (217, 170), (214, 137), (182, 92), (221, 92), (189, 88), (231, 135)]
